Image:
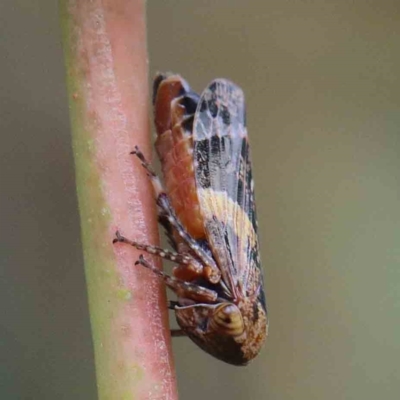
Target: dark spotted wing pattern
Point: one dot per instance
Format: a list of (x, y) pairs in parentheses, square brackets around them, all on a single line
[(225, 186)]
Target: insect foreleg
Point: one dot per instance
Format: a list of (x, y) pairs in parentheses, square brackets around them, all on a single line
[(178, 333), (155, 180), (185, 259), (167, 213), (184, 290), (173, 304)]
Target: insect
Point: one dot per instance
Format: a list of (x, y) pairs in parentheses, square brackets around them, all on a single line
[(207, 209)]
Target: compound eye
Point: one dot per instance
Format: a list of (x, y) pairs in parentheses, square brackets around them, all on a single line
[(227, 319)]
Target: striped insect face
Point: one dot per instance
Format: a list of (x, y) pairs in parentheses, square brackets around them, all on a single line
[(232, 333), (208, 211)]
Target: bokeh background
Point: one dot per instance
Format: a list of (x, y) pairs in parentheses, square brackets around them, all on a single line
[(323, 97)]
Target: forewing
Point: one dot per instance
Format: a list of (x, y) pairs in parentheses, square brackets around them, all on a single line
[(225, 185)]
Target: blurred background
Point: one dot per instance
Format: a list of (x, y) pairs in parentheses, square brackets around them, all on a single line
[(323, 100)]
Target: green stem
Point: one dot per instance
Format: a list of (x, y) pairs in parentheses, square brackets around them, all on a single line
[(106, 66)]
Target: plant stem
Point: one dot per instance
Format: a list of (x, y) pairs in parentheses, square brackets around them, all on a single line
[(106, 66)]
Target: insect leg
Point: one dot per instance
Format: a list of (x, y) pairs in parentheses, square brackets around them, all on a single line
[(177, 333), (173, 304), (163, 221), (150, 171), (212, 272), (185, 259), (184, 290)]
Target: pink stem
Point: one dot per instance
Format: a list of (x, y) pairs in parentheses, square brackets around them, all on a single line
[(106, 63)]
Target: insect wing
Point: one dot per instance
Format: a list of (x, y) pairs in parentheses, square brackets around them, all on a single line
[(225, 186)]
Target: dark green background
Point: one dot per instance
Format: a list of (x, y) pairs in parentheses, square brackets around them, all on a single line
[(323, 97)]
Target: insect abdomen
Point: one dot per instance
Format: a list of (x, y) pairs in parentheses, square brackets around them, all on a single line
[(174, 146)]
